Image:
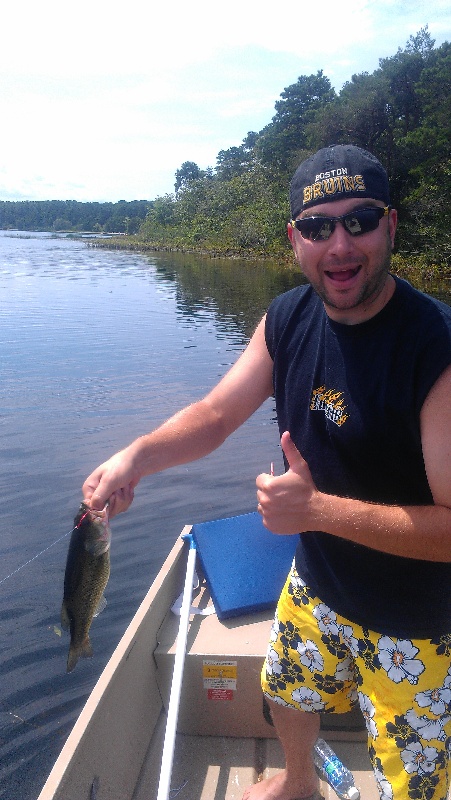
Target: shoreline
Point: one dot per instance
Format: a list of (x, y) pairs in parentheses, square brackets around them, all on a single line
[(423, 274)]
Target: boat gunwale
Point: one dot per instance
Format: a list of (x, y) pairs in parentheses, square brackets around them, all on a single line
[(83, 724)]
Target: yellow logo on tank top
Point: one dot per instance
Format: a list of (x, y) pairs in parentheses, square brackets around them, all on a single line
[(331, 402)]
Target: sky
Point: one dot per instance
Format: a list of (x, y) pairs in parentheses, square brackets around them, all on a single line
[(104, 101)]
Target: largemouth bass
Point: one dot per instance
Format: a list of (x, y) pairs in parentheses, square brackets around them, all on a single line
[(87, 573)]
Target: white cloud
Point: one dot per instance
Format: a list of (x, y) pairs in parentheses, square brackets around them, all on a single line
[(99, 103)]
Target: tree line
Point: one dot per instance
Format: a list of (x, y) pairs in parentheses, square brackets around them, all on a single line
[(70, 215), (401, 112)]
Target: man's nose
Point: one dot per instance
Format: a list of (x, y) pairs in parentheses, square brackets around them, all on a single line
[(340, 239)]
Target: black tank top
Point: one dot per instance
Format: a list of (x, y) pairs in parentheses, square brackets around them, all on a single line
[(351, 396)]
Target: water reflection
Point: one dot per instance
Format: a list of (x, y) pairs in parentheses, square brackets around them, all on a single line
[(236, 291)]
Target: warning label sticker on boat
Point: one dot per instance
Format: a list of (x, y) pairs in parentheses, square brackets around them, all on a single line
[(219, 674), (220, 694)]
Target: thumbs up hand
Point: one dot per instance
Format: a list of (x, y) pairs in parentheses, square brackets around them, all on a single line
[(286, 502)]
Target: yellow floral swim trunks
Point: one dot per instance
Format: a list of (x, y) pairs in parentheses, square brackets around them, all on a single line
[(319, 661)]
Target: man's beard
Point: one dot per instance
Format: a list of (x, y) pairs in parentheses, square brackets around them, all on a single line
[(369, 291)]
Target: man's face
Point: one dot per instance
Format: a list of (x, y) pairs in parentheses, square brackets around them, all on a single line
[(349, 273)]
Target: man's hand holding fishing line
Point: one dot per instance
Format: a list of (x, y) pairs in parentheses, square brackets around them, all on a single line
[(287, 502), (114, 481)]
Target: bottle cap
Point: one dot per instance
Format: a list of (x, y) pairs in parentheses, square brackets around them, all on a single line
[(353, 793)]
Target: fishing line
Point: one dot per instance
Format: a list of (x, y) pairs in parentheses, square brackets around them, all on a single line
[(36, 556), (50, 545)]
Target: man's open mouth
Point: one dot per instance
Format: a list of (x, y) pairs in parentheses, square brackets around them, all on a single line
[(341, 276)]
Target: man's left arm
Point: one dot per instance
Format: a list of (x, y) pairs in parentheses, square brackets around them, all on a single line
[(291, 503)]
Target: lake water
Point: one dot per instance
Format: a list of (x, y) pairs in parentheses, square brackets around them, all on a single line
[(98, 347)]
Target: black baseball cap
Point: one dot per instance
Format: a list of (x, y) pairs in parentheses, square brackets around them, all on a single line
[(335, 173)]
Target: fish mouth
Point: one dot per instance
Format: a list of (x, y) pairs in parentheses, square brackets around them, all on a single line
[(102, 514)]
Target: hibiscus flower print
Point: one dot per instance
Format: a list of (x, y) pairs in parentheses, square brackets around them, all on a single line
[(279, 700), (347, 635), (398, 659), (310, 656), (296, 582), (438, 700), (368, 712), (345, 670), (327, 619), (417, 758), (273, 665), (401, 731), (384, 786), (298, 590), (426, 728), (308, 699)]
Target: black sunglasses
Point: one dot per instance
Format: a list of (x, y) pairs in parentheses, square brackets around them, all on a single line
[(362, 220)]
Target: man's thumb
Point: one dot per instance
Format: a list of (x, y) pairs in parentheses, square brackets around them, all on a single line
[(291, 452)]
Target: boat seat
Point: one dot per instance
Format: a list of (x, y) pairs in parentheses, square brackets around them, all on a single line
[(221, 679)]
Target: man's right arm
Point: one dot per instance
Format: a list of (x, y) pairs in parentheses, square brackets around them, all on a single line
[(190, 434)]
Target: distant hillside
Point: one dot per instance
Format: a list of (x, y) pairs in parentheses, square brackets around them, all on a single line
[(69, 215)]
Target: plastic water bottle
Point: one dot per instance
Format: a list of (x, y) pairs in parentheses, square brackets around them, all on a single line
[(334, 772)]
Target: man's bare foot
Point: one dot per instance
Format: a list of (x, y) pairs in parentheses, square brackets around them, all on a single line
[(277, 788)]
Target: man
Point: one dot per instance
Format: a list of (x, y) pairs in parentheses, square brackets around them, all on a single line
[(360, 365)]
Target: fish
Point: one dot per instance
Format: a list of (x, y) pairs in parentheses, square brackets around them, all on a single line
[(85, 578)]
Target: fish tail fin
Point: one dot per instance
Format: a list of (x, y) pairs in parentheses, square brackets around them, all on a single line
[(83, 650)]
